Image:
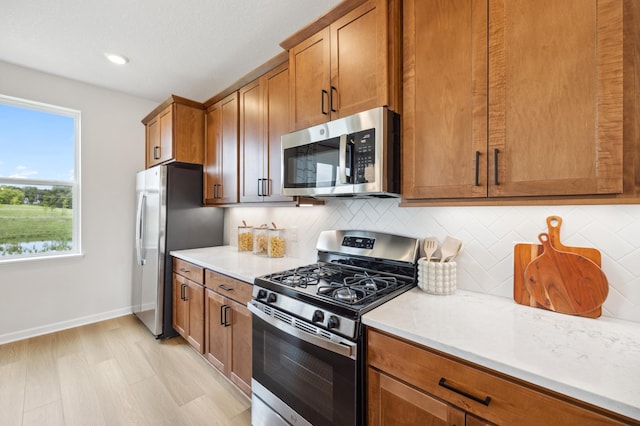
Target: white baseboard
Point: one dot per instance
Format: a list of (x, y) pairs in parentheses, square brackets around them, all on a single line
[(63, 325)]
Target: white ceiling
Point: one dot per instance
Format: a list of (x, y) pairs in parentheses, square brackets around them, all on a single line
[(191, 48)]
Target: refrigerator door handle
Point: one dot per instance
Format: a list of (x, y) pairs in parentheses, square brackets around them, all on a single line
[(140, 227)]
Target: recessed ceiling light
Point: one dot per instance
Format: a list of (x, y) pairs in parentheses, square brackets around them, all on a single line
[(117, 59)]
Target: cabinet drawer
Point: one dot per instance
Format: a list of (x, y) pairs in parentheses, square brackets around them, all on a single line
[(188, 270), (505, 400), (228, 287)]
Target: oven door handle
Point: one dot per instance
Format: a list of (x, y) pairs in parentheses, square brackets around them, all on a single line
[(345, 348)]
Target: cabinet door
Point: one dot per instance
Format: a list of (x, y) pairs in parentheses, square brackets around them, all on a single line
[(391, 402), (555, 97), (359, 55), (229, 123), (240, 363), (471, 420), (188, 133), (180, 306), (212, 154), (195, 315), (221, 163), (166, 135), (153, 142), (252, 142), (277, 124), (445, 96), (159, 135), (309, 64), (216, 339)]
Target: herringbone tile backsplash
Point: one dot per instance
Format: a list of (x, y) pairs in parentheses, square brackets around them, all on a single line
[(489, 235)]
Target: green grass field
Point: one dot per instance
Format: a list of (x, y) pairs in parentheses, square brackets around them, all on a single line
[(27, 223)]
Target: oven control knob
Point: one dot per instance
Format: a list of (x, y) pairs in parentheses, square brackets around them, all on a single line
[(318, 316), (333, 322), (271, 298), (261, 294)]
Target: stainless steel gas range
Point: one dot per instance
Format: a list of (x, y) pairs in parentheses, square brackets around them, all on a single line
[(308, 341)]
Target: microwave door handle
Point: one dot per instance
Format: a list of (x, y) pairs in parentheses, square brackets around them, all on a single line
[(342, 166)]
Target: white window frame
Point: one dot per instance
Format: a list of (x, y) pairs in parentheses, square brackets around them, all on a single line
[(76, 241)]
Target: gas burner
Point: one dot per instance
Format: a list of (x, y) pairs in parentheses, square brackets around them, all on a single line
[(358, 288), (294, 279), (318, 271), (370, 282), (306, 275), (299, 281), (348, 294)]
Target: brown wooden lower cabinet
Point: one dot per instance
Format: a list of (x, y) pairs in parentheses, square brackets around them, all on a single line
[(188, 303), (392, 402), (228, 328), (405, 387)]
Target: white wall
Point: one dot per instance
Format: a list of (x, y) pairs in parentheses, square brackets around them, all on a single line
[(42, 295), (489, 234)]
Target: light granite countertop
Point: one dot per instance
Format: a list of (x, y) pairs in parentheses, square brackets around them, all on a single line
[(593, 360), (244, 266)]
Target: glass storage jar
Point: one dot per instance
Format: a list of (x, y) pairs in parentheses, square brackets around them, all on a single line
[(260, 240), (245, 238), (276, 247)]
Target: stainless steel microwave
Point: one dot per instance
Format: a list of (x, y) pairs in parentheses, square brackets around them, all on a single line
[(354, 156)]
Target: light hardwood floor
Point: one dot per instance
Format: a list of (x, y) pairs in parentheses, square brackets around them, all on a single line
[(113, 373)]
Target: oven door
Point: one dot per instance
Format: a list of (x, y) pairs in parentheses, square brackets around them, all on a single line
[(305, 378)]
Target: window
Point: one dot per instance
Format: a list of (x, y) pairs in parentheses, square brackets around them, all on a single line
[(39, 180)]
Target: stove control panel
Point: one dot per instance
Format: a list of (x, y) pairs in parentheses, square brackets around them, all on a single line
[(358, 242), (311, 314)]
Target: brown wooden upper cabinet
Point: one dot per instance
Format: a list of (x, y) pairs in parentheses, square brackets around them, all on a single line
[(347, 67), (221, 152), (264, 118), (510, 98), (175, 132)]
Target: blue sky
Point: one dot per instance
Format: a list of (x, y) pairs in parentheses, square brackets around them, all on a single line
[(35, 144)]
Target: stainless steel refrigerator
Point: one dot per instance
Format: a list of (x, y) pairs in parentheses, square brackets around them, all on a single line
[(169, 217)]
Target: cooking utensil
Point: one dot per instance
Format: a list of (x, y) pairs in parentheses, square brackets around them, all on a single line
[(430, 247), (565, 282), (449, 248), (458, 253), (523, 254)]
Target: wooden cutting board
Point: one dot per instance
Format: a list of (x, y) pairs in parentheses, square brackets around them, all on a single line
[(524, 254), (565, 282)]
